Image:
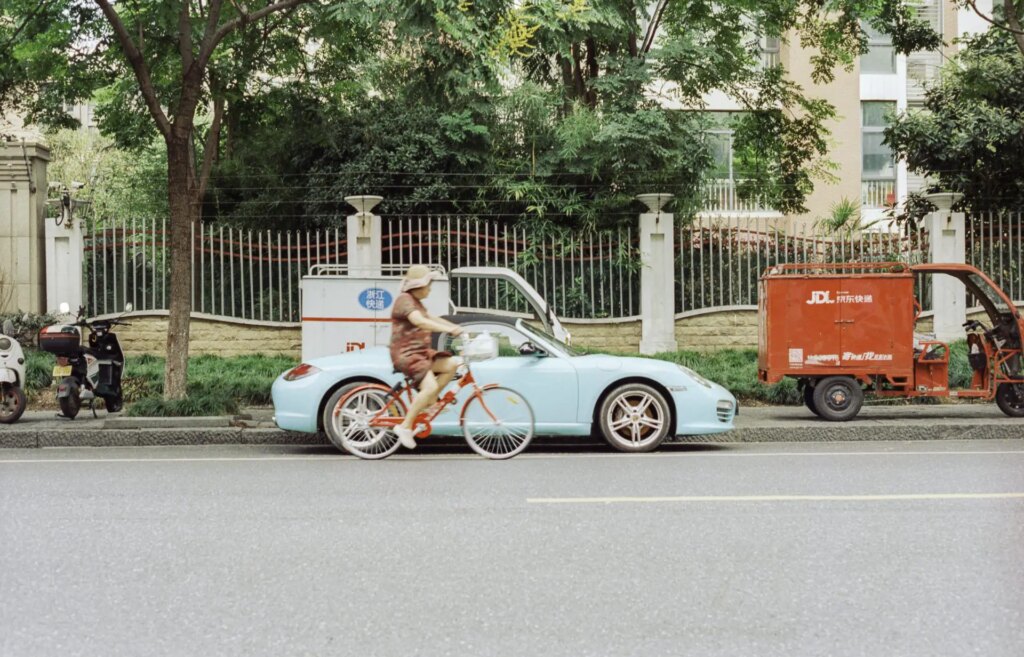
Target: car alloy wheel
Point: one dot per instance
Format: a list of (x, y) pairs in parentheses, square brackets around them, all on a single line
[(635, 418)]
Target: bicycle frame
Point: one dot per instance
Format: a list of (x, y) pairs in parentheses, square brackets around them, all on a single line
[(425, 418)]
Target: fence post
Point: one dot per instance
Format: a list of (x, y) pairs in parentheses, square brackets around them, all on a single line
[(657, 276), (364, 236), (947, 244)]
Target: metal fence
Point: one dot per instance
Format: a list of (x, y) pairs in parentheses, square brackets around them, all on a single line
[(995, 245), (719, 261), (242, 274), (592, 274), (255, 275)]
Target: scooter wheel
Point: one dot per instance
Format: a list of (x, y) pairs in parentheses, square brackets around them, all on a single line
[(12, 403), (71, 404)]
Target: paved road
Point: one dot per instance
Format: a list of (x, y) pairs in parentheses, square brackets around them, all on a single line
[(746, 550)]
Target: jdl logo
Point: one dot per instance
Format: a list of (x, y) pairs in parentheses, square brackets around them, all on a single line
[(355, 346), (820, 297)]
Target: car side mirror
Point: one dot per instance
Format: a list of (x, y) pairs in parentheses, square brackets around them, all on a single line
[(530, 349), (8, 327)]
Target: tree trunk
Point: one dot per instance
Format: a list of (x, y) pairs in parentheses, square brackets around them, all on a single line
[(183, 196)]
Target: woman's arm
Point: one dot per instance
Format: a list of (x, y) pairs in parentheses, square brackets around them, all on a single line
[(433, 324)]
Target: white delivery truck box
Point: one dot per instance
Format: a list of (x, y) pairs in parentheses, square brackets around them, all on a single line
[(348, 311)]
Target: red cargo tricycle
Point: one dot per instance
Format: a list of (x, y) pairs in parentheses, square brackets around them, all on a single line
[(844, 330)]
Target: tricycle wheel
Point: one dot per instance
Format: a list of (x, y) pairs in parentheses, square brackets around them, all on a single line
[(12, 403), (838, 398), (809, 399), (1010, 399)]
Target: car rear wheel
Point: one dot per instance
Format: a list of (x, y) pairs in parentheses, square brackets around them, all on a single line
[(635, 418), (838, 398), (329, 418), (1010, 399)]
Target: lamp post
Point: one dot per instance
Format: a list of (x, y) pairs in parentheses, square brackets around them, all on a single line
[(657, 277), (364, 236), (947, 244)]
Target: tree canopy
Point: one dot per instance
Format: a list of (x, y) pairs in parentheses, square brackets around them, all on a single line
[(970, 135)]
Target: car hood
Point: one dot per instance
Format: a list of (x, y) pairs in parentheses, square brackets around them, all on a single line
[(373, 355)]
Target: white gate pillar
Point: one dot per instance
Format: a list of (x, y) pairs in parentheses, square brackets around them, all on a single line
[(657, 277), (65, 246), (22, 242), (364, 236), (947, 244)]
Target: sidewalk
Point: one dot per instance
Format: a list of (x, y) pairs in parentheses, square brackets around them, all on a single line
[(755, 424)]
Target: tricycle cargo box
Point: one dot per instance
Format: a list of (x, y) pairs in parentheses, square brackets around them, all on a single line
[(60, 339), (817, 321)]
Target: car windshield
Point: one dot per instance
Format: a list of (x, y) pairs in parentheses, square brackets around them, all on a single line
[(991, 293), (552, 340)]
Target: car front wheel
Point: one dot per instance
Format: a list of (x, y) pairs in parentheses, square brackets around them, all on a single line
[(635, 418)]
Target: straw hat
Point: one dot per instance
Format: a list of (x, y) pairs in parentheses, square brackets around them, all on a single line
[(418, 276)]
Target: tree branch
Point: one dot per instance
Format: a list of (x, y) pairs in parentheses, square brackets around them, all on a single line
[(185, 36), (25, 21), (209, 35), (138, 65), (1011, 17), (212, 147), (1011, 11), (244, 18)]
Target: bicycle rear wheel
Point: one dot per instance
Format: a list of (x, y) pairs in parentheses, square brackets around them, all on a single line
[(497, 423), (352, 422)]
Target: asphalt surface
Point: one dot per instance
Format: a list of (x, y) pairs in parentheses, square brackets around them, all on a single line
[(755, 424), (910, 548)]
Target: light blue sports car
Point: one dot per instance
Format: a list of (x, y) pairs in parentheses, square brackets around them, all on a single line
[(635, 403)]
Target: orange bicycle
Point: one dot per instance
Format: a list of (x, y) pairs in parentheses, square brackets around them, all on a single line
[(497, 422)]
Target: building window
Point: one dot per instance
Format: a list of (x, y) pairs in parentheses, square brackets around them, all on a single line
[(878, 167), (771, 47), (881, 56)]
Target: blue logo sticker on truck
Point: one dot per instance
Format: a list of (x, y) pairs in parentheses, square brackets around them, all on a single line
[(375, 298)]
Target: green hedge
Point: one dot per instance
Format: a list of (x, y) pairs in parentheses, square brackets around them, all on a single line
[(220, 386)]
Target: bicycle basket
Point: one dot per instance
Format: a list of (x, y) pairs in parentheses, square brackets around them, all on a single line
[(482, 347)]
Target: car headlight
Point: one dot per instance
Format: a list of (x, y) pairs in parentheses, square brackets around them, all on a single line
[(696, 377), (301, 372), (5, 344)]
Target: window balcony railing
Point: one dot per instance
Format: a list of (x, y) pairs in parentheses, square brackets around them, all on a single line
[(878, 193), (722, 195)]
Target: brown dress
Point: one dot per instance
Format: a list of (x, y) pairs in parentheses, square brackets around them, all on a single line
[(410, 345)]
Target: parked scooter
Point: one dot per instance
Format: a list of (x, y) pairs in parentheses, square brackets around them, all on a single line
[(12, 376), (86, 372)]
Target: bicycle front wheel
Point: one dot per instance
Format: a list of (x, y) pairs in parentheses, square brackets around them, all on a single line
[(353, 422), (497, 422)]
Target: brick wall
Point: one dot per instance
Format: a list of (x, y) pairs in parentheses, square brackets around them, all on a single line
[(148, 335), (735, 329)]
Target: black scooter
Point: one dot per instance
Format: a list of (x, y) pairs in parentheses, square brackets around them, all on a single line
[(86, 372)]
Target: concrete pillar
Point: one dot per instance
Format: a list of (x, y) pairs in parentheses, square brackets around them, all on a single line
[(22, 232), (65, 246), (947, 244), (364, 236), (657, 276)]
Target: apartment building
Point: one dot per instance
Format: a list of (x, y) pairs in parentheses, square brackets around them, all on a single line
[(880, 84)]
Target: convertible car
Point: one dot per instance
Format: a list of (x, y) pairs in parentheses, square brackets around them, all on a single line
[(635, 403)]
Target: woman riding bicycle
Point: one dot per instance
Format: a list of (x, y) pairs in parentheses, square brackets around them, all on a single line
[(411, 326)]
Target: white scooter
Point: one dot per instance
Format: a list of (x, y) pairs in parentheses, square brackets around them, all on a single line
[(12, 376)]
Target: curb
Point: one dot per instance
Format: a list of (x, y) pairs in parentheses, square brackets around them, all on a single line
[(820, 432)]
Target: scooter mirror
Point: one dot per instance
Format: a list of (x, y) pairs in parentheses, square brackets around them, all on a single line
[(128, 307), (8, 327), (65, 308)]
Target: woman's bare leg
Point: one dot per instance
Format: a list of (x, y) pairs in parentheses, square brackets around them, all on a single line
[(425, 397)]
